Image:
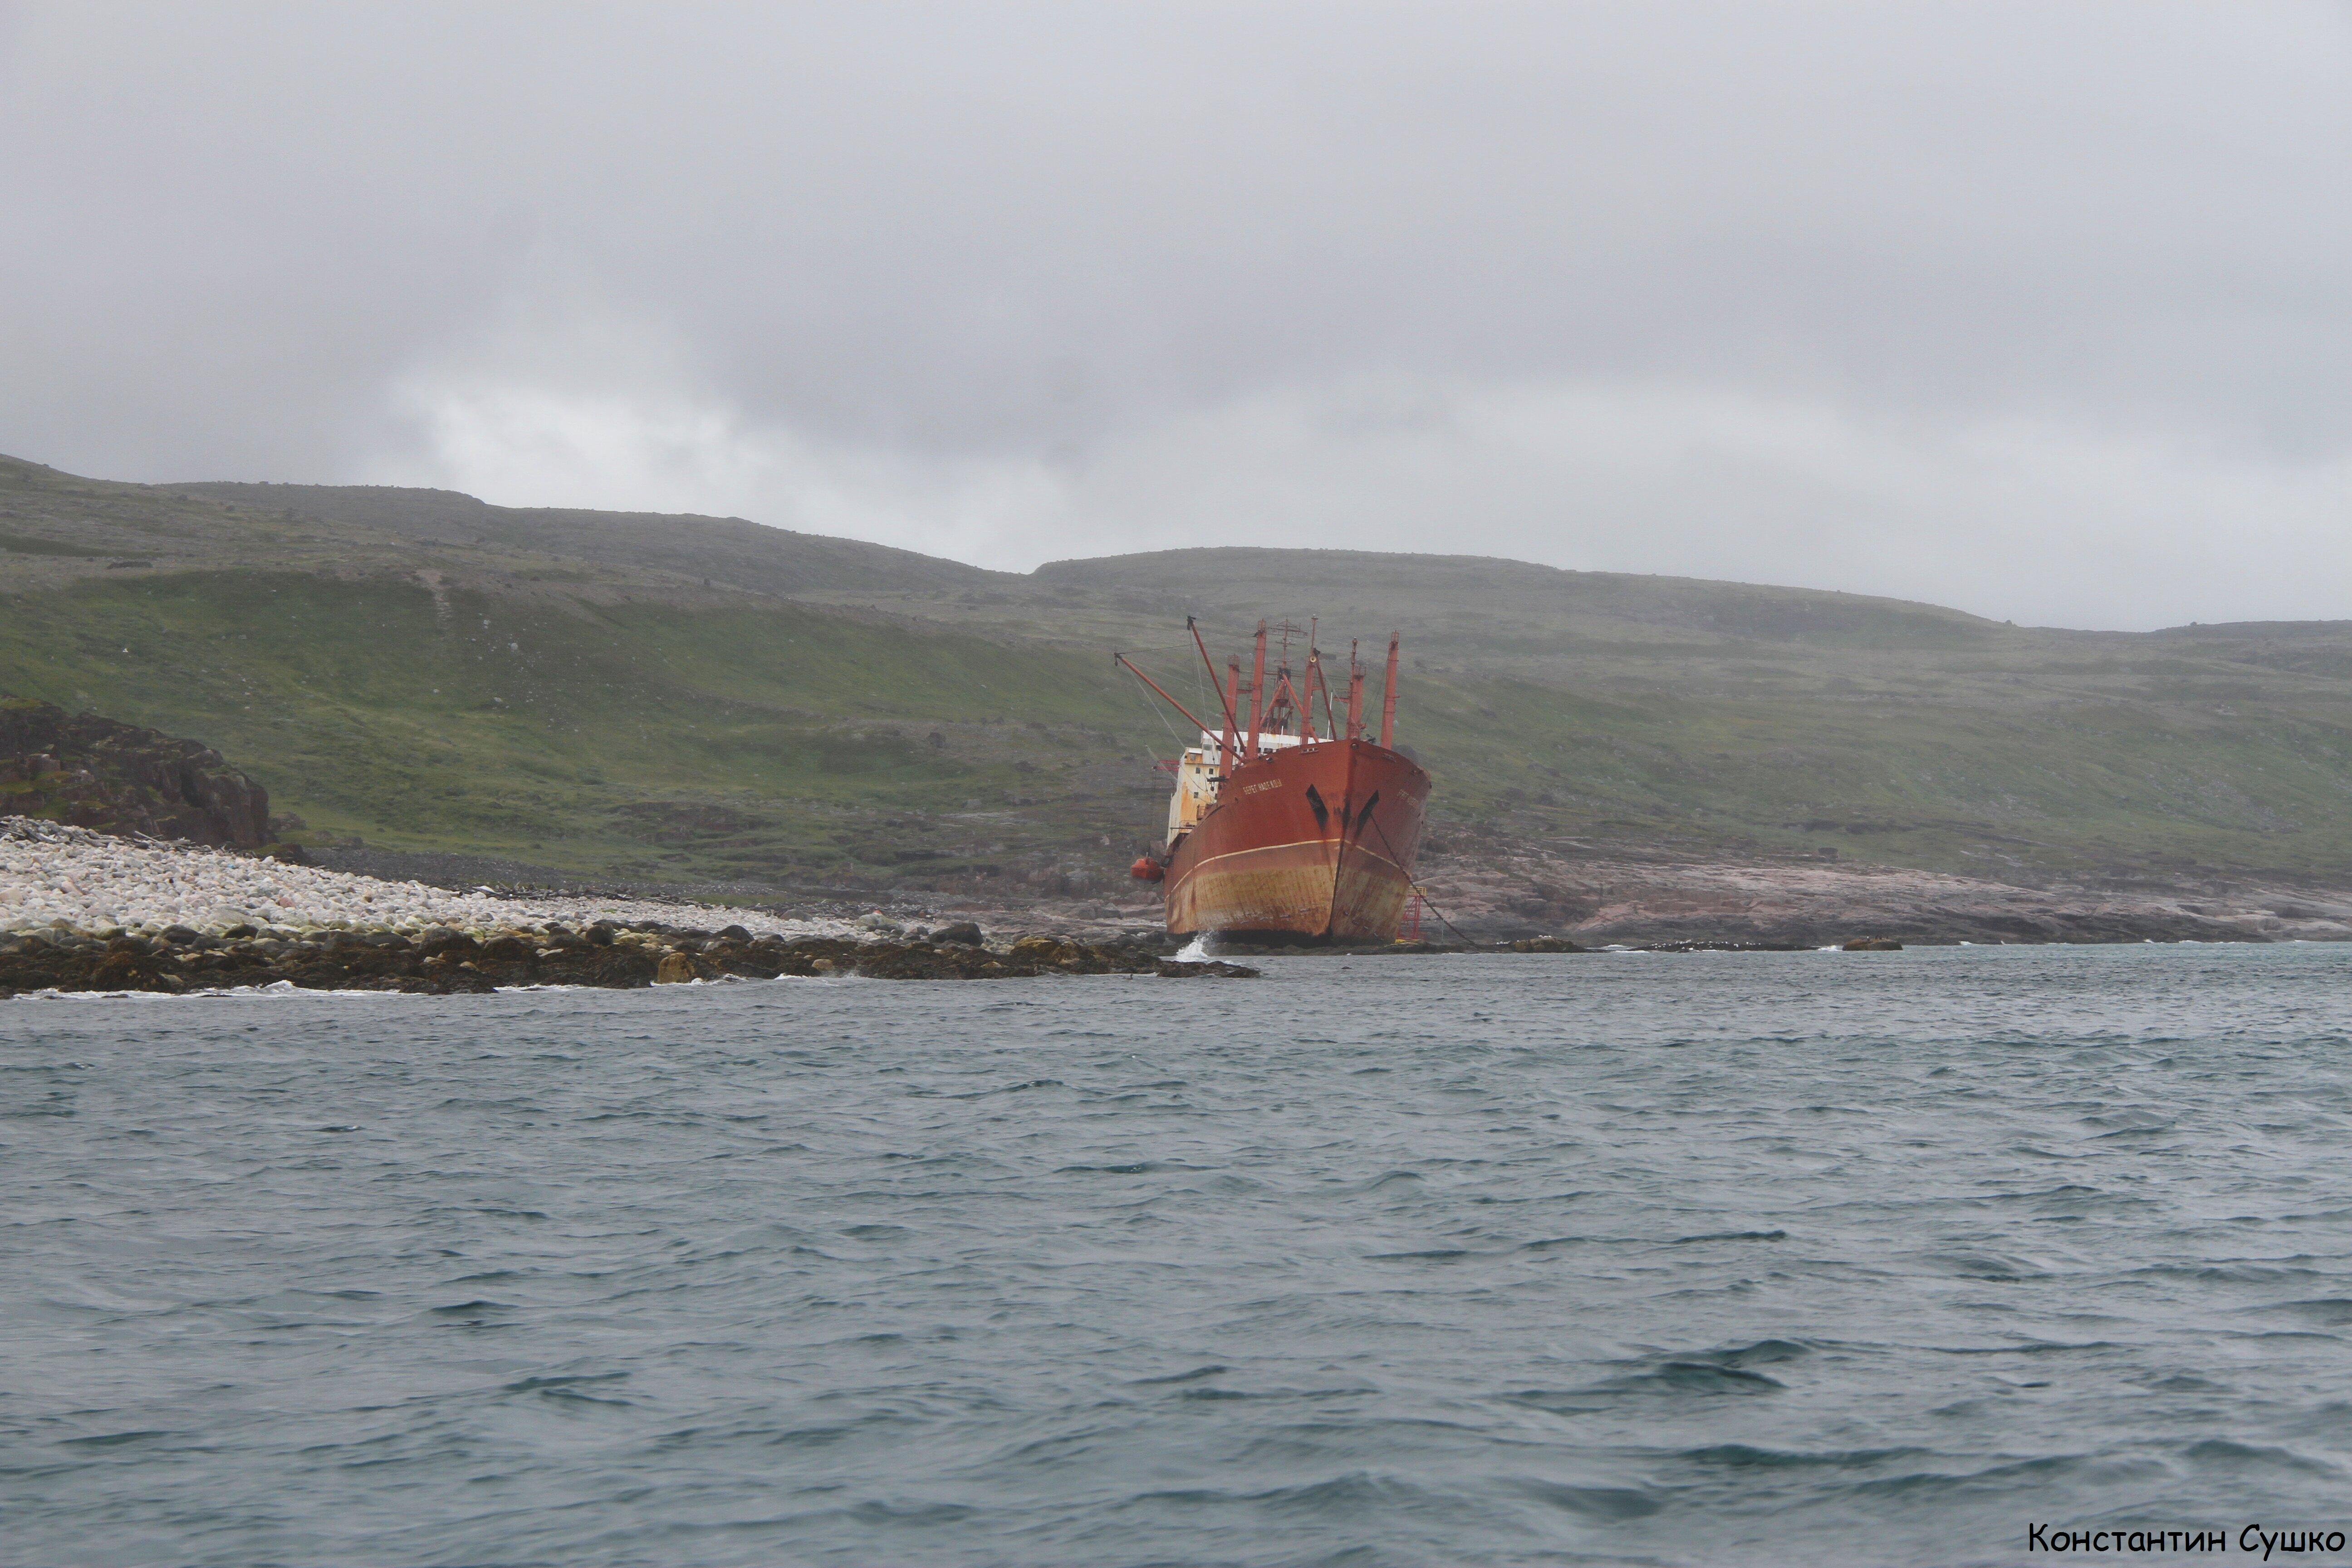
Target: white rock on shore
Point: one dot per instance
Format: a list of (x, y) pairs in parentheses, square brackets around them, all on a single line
[(93, 882)]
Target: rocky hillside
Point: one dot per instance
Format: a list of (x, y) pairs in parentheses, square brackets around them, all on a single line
[(88, 771), (705, 703)]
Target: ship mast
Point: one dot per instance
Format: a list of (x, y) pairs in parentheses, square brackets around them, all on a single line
[(1257, 691), (1282, 714), (1387, 699), (1355, 694), (1289, 710), (1211, 665)]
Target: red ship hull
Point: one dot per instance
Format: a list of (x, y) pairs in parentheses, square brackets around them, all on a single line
[(1305, 843)]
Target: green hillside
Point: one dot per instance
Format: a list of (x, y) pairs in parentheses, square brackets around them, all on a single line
[(640, 740), (697, 700), (719, 550)]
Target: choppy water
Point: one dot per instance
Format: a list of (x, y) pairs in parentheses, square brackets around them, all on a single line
[(1705, 1259)]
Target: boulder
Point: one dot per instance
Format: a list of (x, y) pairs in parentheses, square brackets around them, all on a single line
[(1172, 969), (916, 961)]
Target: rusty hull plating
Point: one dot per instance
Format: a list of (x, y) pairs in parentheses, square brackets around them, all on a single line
[(1275, 832), (1311, 841)]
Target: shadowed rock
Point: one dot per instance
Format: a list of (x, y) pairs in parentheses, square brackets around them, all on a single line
[(443, 961), (119, 778)]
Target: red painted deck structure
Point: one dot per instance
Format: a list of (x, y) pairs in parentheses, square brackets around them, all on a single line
[(1278, 832)]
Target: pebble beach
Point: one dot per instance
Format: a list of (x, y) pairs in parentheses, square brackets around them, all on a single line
[(57, 877), (81, 911)]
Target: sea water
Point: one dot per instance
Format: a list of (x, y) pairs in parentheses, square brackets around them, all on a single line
[(1700, 1258)]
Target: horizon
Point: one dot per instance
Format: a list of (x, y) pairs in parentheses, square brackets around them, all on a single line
[(1271, 549)]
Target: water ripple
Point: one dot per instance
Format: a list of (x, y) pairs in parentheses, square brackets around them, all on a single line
[(1759, 1258)]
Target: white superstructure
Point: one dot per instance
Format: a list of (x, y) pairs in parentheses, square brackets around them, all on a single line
[(1197, 779)]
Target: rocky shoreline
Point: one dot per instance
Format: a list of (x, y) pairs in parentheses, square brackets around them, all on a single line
[(83, 912), (1602, 895), (441, 961), (1626, 894)]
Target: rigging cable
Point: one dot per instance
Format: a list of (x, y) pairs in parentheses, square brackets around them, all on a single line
[(1171, 728), (1396, 860)]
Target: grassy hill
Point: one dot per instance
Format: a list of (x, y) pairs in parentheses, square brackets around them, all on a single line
[(708, 550), (691, 699)]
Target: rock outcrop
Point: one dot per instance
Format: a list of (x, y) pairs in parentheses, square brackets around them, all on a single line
[(1599, 896), (444, 960), (118, 778)]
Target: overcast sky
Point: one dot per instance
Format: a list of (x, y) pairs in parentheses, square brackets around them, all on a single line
[(2043, 310)]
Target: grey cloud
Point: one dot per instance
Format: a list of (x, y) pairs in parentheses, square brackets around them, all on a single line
[(993, 278)]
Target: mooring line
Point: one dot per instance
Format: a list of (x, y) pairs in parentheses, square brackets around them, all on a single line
[(1416, 887)]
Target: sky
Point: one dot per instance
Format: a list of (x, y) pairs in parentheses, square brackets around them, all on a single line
[(2043, 310)]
